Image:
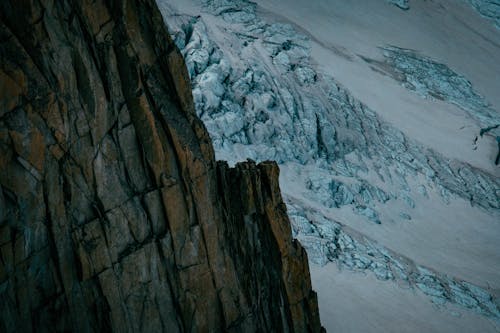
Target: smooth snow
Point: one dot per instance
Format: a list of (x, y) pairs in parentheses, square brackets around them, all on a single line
[(354, 302)]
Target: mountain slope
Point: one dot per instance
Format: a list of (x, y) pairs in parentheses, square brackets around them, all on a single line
[(379, 120)]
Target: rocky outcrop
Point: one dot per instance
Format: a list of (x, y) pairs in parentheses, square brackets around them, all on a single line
[(113, 211)]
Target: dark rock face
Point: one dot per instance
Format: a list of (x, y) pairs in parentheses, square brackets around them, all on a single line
[(114, 214)]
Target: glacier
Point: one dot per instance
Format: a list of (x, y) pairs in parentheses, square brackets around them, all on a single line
[(262, 96)]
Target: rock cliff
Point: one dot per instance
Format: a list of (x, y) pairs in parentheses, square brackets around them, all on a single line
[(114, 214)]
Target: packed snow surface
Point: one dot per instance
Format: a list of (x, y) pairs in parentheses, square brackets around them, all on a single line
[(385, 125)]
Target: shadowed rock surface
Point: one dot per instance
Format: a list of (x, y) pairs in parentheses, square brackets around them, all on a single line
[(114, 214)]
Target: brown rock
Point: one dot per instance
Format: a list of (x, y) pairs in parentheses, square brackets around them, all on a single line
[(114, 214)]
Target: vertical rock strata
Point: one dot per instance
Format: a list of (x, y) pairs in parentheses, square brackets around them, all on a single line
[(114, 214)]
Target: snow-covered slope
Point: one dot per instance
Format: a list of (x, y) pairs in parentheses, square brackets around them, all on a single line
[(383, 122)]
